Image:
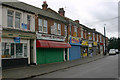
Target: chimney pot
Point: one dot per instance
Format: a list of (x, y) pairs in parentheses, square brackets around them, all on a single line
[(61, 11), (77, 21), (45, 5)]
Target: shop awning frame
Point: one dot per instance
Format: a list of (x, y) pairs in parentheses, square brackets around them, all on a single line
[(51, 44)]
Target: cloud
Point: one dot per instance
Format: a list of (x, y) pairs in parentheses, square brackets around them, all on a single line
[(93, 13)]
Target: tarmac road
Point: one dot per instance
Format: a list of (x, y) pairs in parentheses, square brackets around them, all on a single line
[(103, 68)]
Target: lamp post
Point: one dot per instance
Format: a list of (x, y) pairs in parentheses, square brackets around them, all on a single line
[(105, 38)]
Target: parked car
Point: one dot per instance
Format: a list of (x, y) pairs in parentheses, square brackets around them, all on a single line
[(112, 51), (117, 51)]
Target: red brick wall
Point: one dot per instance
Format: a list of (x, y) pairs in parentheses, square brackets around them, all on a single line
[(102, 38), (95, 37), (68, 30), (72, 30), (87, 35), (84, 34), (98, 38), (92, 35), (36, 22), (62, 30), (79, 31)]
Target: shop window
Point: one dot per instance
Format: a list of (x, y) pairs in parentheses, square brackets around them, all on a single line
[(5, 50), (28, 22), (14, 50), (10, 15), (17, 20), (59, 29)]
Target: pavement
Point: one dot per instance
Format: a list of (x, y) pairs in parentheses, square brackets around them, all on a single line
[(31, 71)]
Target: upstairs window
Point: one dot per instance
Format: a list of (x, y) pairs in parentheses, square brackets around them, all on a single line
[(65, 28), (45, 26), (28, 22), (17, 20), (59, 29), (10, 15), (81, 33), (75, 30), (55, 28), (40, 25)]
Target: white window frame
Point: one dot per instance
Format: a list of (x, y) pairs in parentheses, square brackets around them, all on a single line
[(45, 26), (81, 33), (65, 29), (12, 17), (19, 18), (59, 29), (93, 36), (55, 26), (40, 24)]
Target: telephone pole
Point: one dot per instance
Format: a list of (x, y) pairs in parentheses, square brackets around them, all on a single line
[(105, 39)]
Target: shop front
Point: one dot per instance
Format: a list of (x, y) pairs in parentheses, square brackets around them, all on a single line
[(49, 50), (90, 48), (95, 50), (74, 51), (16, 48), (84, 48), (101, 48)]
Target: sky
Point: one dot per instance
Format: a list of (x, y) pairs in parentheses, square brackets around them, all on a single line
[(92, 13)]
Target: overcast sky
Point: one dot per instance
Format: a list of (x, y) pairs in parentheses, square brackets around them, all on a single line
[(92, 13)]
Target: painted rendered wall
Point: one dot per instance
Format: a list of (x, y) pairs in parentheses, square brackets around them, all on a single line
[(23, 18)]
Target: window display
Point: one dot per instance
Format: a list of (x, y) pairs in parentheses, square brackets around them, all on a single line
[(14, 50)]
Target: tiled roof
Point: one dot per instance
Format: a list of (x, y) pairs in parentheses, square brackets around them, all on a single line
[(32, 9)]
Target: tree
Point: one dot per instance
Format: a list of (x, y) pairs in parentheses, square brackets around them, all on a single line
[(114, 43)]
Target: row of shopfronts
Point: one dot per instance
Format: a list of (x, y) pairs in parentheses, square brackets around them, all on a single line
[(22, 48), (36, 41)]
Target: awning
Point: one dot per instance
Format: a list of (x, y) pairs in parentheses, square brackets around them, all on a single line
[(51, 44)]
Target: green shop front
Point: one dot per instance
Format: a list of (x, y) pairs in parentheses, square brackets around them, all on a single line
[(50, 51)]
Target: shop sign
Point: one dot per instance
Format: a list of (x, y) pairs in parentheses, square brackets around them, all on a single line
[(101, 43), (74, 40), (74, 34), (24, 26), (17, 39), (21, 35), (95, 43), (50, 37), (85, 43)]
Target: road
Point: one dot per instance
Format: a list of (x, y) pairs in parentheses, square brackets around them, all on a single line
[(103, 68)]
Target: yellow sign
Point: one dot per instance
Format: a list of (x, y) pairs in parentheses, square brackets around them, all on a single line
[(84, 54), (74, 34), (95, 43), (85, 43)]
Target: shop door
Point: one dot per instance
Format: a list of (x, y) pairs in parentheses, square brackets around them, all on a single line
[(49, 55), (19, 50), (74, 52)]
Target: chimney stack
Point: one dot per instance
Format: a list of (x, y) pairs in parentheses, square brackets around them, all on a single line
[(77, 21), (61, 11), (45, 5)]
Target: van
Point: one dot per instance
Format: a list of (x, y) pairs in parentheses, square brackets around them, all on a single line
[(112, 51)]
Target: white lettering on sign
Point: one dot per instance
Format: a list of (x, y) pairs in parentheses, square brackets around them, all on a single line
[(50, 37)]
